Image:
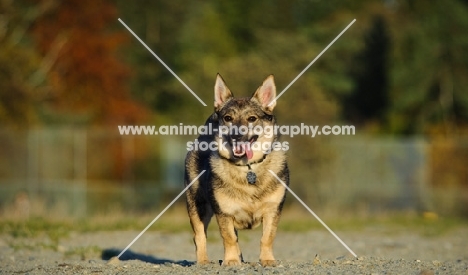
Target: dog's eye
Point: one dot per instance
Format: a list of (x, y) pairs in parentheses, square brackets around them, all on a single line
[(227, 118), (251, 119)]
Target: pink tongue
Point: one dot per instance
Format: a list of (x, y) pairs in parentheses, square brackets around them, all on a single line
[(248, 152)]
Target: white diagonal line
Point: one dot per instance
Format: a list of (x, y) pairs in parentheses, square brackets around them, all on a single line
[(162, 62), (313, 61), (160, 214), (313, 214)]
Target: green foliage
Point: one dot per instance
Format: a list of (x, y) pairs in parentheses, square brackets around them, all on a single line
[(244, 41), (429, 66), (175, 221), (369, 98), (19, 60), (34, 227)]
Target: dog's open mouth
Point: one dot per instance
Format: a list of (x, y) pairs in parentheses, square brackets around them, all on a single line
[(241, 148)]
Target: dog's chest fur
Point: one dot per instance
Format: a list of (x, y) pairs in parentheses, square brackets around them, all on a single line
[(247, 203)]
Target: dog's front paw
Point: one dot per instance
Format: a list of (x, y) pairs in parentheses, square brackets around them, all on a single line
[(265, 263), (232, 262)]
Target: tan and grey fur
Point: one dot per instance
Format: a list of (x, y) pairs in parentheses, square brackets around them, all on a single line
[(223, 189)]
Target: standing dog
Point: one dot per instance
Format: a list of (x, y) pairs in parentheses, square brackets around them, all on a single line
[(237, 186)]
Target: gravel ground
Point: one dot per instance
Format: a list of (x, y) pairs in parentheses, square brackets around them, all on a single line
[(380, 251)]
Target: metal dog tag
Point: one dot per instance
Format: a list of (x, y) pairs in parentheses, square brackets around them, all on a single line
[(251, 177)]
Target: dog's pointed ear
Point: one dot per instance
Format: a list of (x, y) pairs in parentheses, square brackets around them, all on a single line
[(266, 94), (221, 93)]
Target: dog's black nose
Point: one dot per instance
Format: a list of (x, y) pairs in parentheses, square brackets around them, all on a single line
[(236, 137)]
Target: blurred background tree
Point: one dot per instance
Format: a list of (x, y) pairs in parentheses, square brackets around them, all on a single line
[(88, 83), (429, 67), (19, 60)]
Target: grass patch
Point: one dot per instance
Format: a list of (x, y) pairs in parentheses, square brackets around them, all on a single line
[(429, 226), (34, 227), (55, 229), (16, 245), (176, 220), (426, 224)]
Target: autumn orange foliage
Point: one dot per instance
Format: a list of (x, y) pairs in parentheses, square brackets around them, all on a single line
[(87, 77)]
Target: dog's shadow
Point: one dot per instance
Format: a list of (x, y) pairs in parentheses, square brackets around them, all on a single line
[(107, 254)]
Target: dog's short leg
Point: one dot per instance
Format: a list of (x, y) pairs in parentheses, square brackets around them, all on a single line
[(199, 226), (270, 222), (232, 254)]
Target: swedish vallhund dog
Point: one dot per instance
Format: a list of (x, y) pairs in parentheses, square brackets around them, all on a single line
[(237, 186)]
